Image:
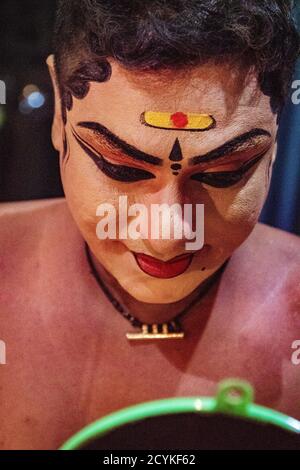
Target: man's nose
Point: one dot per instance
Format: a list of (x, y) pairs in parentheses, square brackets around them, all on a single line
[(170, 222)]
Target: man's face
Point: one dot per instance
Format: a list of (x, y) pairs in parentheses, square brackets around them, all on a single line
[(105, 133)]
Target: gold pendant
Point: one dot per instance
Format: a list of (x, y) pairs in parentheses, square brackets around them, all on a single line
[(157, 332)]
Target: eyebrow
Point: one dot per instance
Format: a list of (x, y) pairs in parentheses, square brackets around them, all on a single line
[(120, 144), (229, 147)]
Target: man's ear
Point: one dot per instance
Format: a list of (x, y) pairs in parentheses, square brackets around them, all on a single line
[(57, 125)]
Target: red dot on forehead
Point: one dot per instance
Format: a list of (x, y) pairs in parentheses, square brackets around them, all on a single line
[(179, 119)]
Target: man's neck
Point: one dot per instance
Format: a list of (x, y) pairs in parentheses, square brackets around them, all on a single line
[(149, 312)]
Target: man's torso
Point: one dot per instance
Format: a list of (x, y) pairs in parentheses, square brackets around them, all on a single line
[(69, 362)]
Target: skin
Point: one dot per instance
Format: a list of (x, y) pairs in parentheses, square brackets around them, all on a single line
[(68, 360), (233, 98)]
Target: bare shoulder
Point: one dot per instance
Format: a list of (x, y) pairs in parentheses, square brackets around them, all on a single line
[(268, 263), (277, 241), (280, 250), (27, 217), (267, 268), (272, 247), (23, 210), (26, 228)]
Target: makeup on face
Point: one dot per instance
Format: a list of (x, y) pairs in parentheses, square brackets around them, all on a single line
[(225, 179), (121, 173), (240, 143), (119, 144), (243, 152), (193, 122), (176, 156), (78, 84), (163, 269), (108, 127), (65, 153)]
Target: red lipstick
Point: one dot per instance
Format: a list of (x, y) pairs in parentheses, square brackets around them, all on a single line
[(163, 269)]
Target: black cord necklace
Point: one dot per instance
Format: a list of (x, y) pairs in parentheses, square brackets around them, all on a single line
[(167, 330)]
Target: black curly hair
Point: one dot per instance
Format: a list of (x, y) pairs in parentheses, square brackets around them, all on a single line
[(152, 35)]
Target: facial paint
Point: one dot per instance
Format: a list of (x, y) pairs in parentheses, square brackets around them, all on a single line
[(121, 173), (78, 85), (176, 166), (120, 144), (65, 146), (66, 149), (178, 121), (225, 179), (176, 156), (229, 147)]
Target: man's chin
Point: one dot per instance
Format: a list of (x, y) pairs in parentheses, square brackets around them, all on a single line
[(161, 291)]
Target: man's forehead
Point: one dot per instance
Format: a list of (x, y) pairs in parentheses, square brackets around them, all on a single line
[(206, 88), (230, 95)]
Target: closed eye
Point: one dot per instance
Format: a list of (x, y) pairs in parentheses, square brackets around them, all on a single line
[(225, 179), (123, 173)]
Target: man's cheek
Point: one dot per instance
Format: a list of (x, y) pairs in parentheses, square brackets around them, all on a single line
[(244, 212), (238, 217), (243, 206), (226, 237), (231, 221)]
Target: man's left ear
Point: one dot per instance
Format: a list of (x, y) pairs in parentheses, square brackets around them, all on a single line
[(57, 124)]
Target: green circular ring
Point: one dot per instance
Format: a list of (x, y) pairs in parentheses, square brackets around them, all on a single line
[(206, 405)]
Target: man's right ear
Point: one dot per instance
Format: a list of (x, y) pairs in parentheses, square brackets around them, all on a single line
[(57, 125)]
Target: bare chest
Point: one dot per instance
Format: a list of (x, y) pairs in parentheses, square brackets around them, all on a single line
[(67, 367)]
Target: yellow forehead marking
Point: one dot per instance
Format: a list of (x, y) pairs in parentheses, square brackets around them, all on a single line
[(178, 121)]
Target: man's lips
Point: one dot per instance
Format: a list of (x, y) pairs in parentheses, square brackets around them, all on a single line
[(164, 269)]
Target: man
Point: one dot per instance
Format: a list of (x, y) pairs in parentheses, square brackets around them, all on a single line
[(162, 103)]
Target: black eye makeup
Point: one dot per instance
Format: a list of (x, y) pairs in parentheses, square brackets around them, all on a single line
[(123, 173), (226, 179), (117, 150)]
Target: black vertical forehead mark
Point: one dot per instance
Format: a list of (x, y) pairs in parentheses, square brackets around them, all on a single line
[(78, 84), (176, 153), (176, 156)]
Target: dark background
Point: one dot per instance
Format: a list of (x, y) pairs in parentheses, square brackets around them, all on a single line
[(28, 162)]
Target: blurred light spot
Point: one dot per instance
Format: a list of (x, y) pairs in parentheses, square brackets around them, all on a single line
[(36, 100), (24, 107), (198, 404), (29, 89)]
